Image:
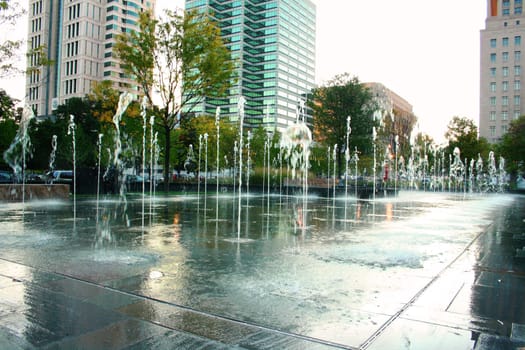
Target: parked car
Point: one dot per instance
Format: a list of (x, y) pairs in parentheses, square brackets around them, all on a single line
[(35, 178), (6, 177), (130, 179), (61, 176)]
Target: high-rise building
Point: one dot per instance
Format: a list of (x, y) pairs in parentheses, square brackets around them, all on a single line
[(502, 97), (273, 45), (77, 36)]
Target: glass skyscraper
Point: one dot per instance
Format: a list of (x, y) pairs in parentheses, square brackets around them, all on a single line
[(273, 45)]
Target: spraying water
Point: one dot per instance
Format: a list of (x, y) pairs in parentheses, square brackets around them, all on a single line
[(52, 156), (98, 170), (15, 155), (71, 131), (241, 104), (217, 125), (143, 112)]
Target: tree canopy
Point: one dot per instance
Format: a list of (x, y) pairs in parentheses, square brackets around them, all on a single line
[(343, 97), (463, 134), (182, 58), (512, 146)]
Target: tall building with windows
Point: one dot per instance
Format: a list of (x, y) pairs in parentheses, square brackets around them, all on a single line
[(273, 45), (77, 36), (502, 97)]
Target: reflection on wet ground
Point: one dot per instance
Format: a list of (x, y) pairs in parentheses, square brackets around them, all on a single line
[(421, 271)]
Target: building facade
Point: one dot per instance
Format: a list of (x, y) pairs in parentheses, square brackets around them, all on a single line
[(502, 96), (77, 36), (399, 119), (273, 45)]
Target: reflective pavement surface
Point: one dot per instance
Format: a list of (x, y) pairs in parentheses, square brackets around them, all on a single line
[(421, 271)]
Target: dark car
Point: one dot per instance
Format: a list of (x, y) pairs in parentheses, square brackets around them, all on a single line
[(6, 177), (61, 177)]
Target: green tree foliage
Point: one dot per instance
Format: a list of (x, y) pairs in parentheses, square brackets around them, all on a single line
[(86, 133), (10, 12), (512, 146), (332, 104), (183, 58), (9, 116), (189, 135), (463, 133)]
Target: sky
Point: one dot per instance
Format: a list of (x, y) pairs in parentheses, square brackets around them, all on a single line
[(425, 51)]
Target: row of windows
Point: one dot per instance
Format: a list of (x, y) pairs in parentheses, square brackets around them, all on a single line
[(33, 93), (36, 24), (505, 86), (505, 71), (70, 86), (505, 100), (116, 27), (36, 8), (504, 115), (35, 42), (34, 76), (73, 30), (72, 49), (505, 41), (492, 130), (73, 12), (71, 67)]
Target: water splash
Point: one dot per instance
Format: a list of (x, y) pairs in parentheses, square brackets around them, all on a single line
[(52, 156), (15, 155), (71, 131)]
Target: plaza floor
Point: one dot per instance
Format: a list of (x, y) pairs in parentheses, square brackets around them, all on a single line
[(476, 302)]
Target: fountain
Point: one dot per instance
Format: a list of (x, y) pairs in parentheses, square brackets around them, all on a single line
[(402, 266)]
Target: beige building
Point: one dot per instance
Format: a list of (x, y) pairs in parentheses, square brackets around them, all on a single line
[(77, 36), (398, 115), (501, 92)]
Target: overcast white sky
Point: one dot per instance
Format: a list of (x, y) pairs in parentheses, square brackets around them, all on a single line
[(425, 51)]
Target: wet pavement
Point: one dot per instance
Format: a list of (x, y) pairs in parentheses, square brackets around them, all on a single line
[(474, 300)]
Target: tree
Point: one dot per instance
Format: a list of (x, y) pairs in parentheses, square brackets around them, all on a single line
[(86, 133), (10, 12), (512, 146), (463, 134), (183, 58), (344, 97)]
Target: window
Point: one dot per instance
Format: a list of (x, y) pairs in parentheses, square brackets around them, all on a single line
[(493, 72), (505, 86), (504, 129), (517, 100), (492, 115), (505, 101), (493, 43), (493, 101), (492, 58), (517, 70), (504, 115), (492, 87), (505, 71), (505, 42), (517, 56), (492, 129), (517, 40), (517, 85), (505, 56), (517, 114)]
